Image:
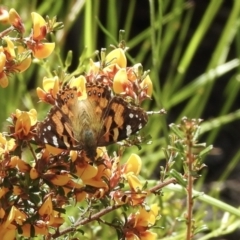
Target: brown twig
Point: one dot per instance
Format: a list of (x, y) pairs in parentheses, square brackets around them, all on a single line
[(162, 184), (190, 159), (6, 31), (84, 221)]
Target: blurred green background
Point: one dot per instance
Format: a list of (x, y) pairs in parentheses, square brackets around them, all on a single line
[(192, 50)]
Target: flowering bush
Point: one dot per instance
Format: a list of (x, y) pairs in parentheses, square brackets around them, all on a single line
[(38, 180), (34, 191)]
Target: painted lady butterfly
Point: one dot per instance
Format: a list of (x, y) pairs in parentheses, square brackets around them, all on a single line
[(99, 120)]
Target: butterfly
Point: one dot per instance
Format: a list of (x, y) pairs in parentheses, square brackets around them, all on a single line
[(99, 120)]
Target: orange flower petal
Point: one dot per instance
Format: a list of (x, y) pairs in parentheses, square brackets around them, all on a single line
[(117, 56), (51, 85), (33, 116), (86, 172), (4, 16), (80, 84), (94, 67), (2, 61), (23, 124), (34, 173), (120, 81), (9, 49), (46, 208), (8, 234), (146, 218), (133, 164), (53, 150), (80, 196), (41, 94), (134, 182), (16, 215), (146, 85), (15, 20), (22, 165), (42, 50), (39, 27), (24, 65), (60, 179), (148, 235)]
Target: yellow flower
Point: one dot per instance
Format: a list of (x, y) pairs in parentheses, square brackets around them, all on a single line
[(148, 235), (23, 65), (4, 16), (146, 85), (3, 77), (80, 84), (117, 56), (2, 61), (135, 72), (20, 164), (73, 155), (9, 48), (86, 171), (73, 185), (25, 120), (6, 146), (50, 89), (15, 215), (94, 67), (53, 150), (133, 164), (9, 233), (77, 188), (46, 208), (138, 224), (39, 27), (146, 218), (51, 85), (15, 20), (32, 114), (34, 173), (97, 180), (80, 196), (121, 83), (59, 179), (46, 211), (55, 220), (42, 50), (130, 171)]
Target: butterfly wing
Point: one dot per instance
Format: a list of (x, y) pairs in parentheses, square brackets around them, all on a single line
[(56, 129), (121, 120)]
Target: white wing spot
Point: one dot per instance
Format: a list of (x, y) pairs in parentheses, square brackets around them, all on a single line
[(131, 115), (140, 126), (49, 128), (55, 141), (129, 130)]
